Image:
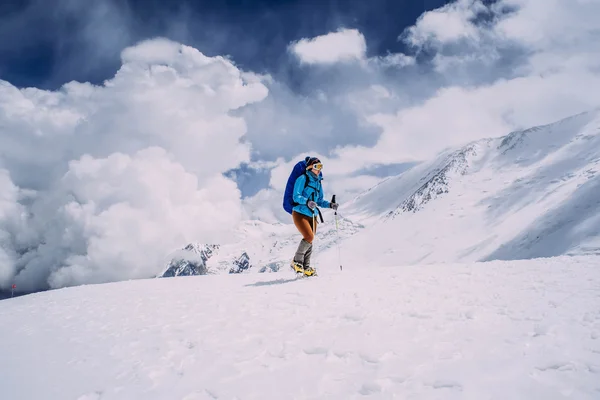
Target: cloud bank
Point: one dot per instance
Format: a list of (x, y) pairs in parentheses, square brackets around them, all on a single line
[(100, 182)]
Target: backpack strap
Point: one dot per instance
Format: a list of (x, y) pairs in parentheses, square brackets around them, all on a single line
[(320, 215), (294, 203), (318, 209)]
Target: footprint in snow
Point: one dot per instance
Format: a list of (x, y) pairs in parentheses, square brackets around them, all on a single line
[(445, 385), (353, 317), (315, 350), (369, 388), (418, 316), (557, 366), (369, 358)]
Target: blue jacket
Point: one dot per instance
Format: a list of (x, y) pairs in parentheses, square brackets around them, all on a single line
[(313, 191)]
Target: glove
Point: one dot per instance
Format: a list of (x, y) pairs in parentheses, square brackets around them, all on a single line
[(334, 206), (311, 204)]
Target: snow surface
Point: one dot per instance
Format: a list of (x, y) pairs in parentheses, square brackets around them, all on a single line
[(498, 330)]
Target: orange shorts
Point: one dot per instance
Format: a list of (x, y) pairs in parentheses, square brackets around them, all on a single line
[(305, 225)]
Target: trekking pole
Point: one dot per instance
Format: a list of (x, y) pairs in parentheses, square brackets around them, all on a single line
[(338, 234), (314, 222)]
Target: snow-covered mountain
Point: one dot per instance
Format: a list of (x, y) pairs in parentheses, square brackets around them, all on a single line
[(191, 260), (532, 193)]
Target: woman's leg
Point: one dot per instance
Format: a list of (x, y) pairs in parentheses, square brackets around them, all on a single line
[(309, 250), (303, 224)]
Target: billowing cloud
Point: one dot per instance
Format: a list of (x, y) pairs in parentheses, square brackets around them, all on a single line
[(123, 213), (10, 212), (119, 175), (341, 46)]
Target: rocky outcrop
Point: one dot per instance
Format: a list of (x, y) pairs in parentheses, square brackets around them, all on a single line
[(190, 261), (241, 264), (437, 182)]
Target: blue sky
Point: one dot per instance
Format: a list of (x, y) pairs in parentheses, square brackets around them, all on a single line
[(65, 40)]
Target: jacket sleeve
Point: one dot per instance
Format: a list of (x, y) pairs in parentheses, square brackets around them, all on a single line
[(322, 202), (298, 189)]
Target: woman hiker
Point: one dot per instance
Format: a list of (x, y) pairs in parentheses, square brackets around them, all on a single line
[(308, 195)]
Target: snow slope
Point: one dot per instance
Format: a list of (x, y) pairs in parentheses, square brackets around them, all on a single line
[(498, 330), (533, 193)]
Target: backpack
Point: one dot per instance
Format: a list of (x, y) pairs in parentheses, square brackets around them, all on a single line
[(288, 196)]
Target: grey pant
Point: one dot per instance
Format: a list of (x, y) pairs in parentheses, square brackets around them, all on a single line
[(303, 253)]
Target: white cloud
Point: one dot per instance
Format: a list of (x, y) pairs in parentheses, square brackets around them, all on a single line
[(450, 23), (266, 206), (155, 51), (341, 46), (125, 172), (456, 116), (548, 23), (560, 35), (10, 211), (127, 213)]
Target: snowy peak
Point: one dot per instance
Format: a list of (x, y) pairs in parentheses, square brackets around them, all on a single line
[(513, 139), (437, 182), (532, 145), (204, 251), (189, 261), (184, 268), (241, 264)]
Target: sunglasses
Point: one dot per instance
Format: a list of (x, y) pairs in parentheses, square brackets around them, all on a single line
[(317, 166)]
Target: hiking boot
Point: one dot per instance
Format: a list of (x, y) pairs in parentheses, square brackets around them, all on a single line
[(297, 267)]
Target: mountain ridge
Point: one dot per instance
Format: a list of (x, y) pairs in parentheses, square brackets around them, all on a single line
[(485, 200)]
